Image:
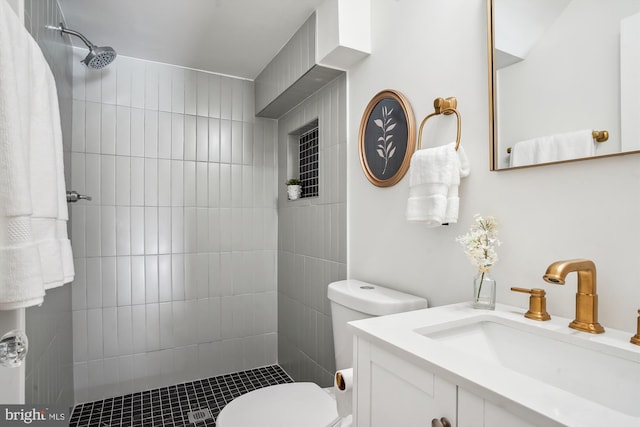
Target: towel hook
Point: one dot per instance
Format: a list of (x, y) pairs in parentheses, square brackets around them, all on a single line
[(446, 107)]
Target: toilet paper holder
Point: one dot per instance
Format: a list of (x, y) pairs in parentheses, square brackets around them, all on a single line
[(343, 379)]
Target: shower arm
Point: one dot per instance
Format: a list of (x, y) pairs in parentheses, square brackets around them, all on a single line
[(98, 57), (63, 29)]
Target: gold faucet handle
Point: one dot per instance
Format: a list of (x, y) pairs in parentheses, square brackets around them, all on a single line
[(537, 303)]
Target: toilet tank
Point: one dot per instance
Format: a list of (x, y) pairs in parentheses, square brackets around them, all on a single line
[(354, 300)]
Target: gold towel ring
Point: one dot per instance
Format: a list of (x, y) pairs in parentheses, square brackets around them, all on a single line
[(446, 107)]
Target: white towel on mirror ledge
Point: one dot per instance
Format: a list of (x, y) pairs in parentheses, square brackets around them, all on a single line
[(434, 177), (35, 253), (553, 148)]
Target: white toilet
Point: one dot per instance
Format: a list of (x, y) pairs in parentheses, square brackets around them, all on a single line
[(306, 404)]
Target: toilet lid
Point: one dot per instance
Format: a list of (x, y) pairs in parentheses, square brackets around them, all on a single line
[(283, 405)]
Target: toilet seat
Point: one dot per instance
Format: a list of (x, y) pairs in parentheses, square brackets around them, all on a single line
[(282, 405)]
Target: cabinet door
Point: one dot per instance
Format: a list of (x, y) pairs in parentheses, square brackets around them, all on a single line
[(474, 411), (392, 392)]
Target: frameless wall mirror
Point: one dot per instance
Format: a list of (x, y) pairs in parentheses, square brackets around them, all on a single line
[(560, 68)]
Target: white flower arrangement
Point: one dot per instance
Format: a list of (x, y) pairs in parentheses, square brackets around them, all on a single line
[(480, 242)]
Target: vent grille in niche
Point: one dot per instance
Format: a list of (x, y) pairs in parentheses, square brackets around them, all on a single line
[(309, 162)]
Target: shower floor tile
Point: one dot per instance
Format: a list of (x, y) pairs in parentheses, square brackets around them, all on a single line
[(170, 406)]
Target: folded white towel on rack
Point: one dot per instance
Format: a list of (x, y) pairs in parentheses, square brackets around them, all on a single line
[(35, 253), (553, 148), (453, 200), (434, 177)]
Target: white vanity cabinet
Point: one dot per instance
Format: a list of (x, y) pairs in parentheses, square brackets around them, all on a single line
[(491, 368), (474, 411), (391, 391)]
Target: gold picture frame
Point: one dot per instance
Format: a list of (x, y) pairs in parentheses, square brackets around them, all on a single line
[(387, 138)]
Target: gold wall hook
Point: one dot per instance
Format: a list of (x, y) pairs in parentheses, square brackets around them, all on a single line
[(443, 106), (537, 303)]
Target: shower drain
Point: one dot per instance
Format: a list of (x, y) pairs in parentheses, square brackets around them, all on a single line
[(199, 415)]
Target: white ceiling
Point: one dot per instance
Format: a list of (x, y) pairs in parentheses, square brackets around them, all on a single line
[(233, 37)]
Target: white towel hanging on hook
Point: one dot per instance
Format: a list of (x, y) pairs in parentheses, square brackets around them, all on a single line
[(35, 252)]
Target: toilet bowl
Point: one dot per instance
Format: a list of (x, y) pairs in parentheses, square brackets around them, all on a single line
[(306, 404), (282, 405)]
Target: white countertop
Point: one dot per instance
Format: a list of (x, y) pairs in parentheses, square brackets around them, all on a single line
[(399, 334)]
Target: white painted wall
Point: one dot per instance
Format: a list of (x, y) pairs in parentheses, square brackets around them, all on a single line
[(584, 209), (343, 32)]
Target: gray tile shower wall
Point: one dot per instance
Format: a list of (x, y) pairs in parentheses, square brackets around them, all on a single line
[(176, 254), (312, 240), (49, 365)]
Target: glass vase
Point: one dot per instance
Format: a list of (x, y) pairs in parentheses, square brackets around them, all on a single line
[(484, 291)]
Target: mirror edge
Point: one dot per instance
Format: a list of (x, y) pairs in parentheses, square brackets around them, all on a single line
[(491, 83)]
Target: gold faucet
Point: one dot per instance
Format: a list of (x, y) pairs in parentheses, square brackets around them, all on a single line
[(586, 298)]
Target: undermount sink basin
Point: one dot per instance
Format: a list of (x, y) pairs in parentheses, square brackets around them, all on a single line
[(575, 362)]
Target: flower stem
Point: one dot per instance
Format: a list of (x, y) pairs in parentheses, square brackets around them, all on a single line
[(480, 287)]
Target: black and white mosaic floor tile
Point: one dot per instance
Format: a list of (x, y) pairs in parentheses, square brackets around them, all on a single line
[(194, 403)]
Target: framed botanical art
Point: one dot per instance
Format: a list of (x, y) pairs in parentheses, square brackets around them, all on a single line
[(387, 138)]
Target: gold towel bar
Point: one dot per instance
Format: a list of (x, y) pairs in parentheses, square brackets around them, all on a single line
[(446, 107), (598, 135)]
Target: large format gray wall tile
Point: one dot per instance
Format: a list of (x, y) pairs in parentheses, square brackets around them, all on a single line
[(292, 75), (49, 365), (312, 240), (177, 251)]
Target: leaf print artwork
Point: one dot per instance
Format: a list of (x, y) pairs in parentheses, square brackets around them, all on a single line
[(386, 138), (386, 149)]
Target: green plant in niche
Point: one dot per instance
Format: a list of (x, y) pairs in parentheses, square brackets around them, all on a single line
[(294, 189)]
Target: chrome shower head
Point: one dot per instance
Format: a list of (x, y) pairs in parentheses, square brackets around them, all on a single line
[(98, 57)]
